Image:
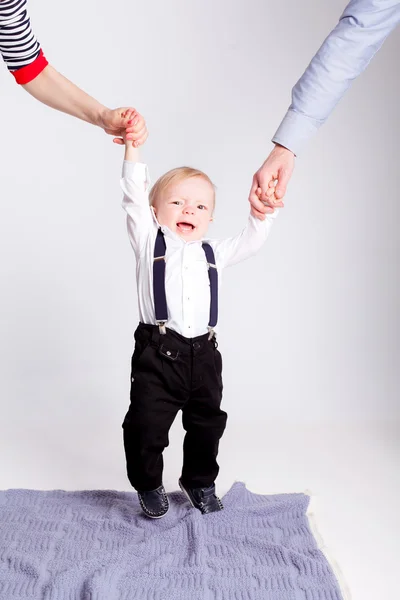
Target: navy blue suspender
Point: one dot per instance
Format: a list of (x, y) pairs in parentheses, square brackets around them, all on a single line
[(160, 300), (213, 277)]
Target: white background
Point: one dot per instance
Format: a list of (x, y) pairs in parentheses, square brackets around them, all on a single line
[(309, 329)]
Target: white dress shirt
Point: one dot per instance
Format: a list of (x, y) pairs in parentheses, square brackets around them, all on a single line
[(346, 52), (187, 284)]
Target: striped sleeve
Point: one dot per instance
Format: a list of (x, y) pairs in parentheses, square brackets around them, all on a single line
[(18, 45)]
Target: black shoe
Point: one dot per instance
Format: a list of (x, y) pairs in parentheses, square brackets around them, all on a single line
[(155, 503), (202, 498)]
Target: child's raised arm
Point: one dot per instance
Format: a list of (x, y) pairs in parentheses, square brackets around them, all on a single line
[(247, 243), (135, 183)]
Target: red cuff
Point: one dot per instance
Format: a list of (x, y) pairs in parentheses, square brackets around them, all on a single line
[(26, 74)]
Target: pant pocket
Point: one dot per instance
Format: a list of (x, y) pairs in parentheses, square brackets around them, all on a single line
[(218, 369), (168, 352), (218, 362), (138, 353)]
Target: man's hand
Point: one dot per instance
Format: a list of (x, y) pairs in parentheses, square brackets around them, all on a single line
[(265, 196), (124, 120)]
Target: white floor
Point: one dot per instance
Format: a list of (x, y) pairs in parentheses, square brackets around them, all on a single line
[(353, 472), (354, 477)]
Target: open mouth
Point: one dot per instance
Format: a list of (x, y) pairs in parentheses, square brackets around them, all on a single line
[(184, 227)]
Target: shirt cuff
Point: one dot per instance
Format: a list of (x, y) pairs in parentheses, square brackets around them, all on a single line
[(138, 172), (29, 72), (270, 218), (295, 130)]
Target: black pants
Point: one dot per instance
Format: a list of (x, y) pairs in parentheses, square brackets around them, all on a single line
[(169, 373)]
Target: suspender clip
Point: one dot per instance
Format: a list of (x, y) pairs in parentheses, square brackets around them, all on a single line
[(211, 333), (161, 327), (211, 265)]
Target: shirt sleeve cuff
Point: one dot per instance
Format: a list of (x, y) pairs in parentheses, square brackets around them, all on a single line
[(294, 131), (137, 172), (270, 218), (29, 72)]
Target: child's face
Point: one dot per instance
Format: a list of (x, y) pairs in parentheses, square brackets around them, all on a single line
[(186, 208)]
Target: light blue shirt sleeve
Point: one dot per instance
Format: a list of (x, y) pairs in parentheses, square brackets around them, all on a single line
[(346, 52)]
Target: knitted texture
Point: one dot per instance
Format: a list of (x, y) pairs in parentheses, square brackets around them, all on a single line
[(98, 545)]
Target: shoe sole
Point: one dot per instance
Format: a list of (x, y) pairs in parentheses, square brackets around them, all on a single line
[(155, 517), (187, 495)]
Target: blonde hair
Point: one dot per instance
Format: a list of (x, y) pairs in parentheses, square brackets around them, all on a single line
[(174, 176)]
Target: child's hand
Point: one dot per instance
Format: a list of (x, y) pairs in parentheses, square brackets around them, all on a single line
[(270, 193), (136, 131), (272, 199)]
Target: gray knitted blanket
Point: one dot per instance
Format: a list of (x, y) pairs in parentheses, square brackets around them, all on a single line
[(97, 545)]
